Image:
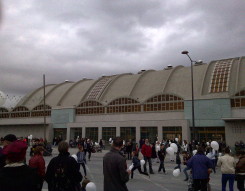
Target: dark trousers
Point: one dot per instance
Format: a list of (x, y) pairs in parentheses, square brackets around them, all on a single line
[(200, 184), (225, 178), (185, 172), (214, 165), (129, 155), (178, 166), (84, 168), (89, 155), (140, 171), (161, 166), (240, 182), (148, 159)]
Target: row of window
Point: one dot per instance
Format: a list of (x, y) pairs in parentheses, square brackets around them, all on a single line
[(121, 105)]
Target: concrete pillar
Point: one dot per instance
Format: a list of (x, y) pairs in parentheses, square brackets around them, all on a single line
[(117, 131), (186, 133), (99, 133), (137, 132), (159, 131), (68, 132), (83, 132)]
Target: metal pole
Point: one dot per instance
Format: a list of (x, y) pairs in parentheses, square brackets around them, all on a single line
[(44, 107), (192, 100)]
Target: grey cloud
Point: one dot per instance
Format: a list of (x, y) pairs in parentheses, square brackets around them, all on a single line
[(75, 39)]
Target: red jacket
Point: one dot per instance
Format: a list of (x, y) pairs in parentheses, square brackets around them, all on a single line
[(37, 161), (146, 150)]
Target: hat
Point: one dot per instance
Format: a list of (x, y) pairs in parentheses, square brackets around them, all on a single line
[(10, 138), (16, 151)]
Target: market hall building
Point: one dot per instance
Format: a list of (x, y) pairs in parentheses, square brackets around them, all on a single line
[(151, 104)]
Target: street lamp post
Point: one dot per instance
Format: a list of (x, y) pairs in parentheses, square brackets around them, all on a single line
[(192, 94)]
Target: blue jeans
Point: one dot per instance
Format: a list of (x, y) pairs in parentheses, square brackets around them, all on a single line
[(185, 172), (225, 178)]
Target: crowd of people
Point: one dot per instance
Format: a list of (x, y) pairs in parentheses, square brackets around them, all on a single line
[(196, 160), (62, 173)]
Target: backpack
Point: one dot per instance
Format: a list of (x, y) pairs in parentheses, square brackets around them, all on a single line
[(61, 182)]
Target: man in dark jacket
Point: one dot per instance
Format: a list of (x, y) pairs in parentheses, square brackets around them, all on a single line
[(200, 165), (115, 168), (63, 171)]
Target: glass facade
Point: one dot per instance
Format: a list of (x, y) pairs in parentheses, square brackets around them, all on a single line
[(38, 111), (60, 132), (108, 132), (239, 100), (20, 111), (172, 132), (123, 105), (75, 132), (90, 107), (92, 133), (127, 133), (166, 102), (4, 113), (149, 133), (210, 133)]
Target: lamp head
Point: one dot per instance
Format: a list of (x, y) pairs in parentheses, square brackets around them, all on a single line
[(184, 52), (199, 61)]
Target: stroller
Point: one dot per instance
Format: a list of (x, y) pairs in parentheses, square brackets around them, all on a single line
[(97, 148)]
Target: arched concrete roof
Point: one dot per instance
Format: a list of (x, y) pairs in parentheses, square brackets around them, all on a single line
[(141, 86)]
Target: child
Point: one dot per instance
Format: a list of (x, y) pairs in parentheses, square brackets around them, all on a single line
[(161, 154), (178, 161), (81, 159), (137, 165), (186, 157)]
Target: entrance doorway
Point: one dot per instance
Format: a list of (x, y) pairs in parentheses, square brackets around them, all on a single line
[(149, 133)]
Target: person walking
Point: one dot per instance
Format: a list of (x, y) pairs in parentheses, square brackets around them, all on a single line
[(115, 170), (186, 157), (16, 175), (200, 165), (240, 171), (81, 159), (161, 154), (63, 172), (147, 153), (227, 164), (178, 161), (137, 165), (37, 162)]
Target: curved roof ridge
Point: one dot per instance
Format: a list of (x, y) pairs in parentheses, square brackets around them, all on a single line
[(238, 72), (170, 75), (140, 77), (70, 88), (88, 91), (206, 76), (35, 91), (55, 87), (105, 90)]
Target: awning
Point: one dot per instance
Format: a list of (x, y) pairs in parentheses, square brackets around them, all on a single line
[(233, 119)]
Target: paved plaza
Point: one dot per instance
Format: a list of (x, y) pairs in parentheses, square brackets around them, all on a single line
[(156, 182)]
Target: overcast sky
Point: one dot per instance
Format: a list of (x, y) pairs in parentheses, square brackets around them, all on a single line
[(73, 39)]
